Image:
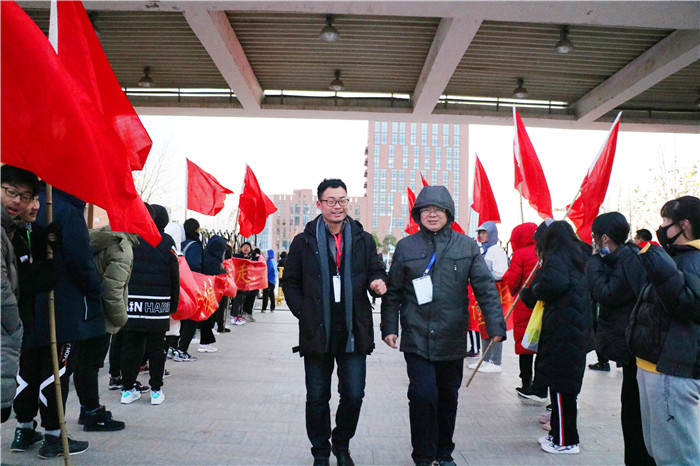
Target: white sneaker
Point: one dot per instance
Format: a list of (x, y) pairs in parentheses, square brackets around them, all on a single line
[(129, 396), (473, 365), (545, 439), (207, 349), (488, 366), (240, 321), (157, 397), (561, 449)]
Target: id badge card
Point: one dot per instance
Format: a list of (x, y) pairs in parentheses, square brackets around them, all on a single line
[(336, 288), (423, 287)]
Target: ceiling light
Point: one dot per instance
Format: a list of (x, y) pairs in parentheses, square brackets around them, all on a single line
[(146, 80), (92, 16), (329, 33), (520, 92), (564, 45), (337, 84)]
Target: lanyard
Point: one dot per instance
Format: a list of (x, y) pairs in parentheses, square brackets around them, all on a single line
[(28, 242), (432, 261), (338, 249)]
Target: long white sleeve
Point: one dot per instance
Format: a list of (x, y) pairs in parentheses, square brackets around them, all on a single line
[(497, 262)]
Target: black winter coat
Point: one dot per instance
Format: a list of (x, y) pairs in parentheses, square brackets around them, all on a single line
[(302, 288), (78, 294), (615, 282), (567, 321), (212, 263), (154, 286), (665, 325)]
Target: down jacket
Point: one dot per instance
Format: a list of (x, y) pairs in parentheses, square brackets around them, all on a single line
[(303, 288), (114, 257), (664, 329), (11, 324), (522, 263), (615, 281), (438, 330), (567, 321)]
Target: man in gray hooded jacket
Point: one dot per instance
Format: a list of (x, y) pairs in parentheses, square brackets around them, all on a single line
[(427, 293)]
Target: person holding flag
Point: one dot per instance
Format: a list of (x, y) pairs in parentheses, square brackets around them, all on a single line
[(427, 293)]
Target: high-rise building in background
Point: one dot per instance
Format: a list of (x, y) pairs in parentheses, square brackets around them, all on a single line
[(293, 213), (396, 156)]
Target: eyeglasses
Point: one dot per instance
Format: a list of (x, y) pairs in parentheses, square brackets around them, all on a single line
[(331, 202), (432, 210), (14, 194)]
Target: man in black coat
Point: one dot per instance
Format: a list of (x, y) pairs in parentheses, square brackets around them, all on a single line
[(427, 292), (330, 268)]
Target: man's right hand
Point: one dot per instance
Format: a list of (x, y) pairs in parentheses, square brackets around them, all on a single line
[(391, 340)]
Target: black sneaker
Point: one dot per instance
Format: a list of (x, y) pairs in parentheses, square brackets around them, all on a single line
[(141, 388), (25, 438), (53, 447), (532, 394), (448, 461), (81, 418), (343, 457), (600, 366), (101, 421), (115, 383), (166, 373)]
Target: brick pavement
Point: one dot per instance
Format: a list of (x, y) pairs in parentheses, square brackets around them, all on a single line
[(244, 405)]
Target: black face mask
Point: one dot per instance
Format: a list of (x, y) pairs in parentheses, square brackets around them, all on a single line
[(665, 241)]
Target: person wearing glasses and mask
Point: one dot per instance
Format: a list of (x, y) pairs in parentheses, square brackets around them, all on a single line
[(427, 294), (664, 335), (330, 268)]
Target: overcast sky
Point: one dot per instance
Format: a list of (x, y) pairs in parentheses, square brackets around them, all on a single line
[(288, 154)]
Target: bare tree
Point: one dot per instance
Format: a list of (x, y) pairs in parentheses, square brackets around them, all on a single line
[(153, 180)]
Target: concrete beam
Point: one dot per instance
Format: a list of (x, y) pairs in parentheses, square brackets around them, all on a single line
[(214, 31), (675, 52), (451, 41)]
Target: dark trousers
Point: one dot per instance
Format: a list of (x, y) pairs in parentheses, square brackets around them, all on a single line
[(87, 359), (249, 300), (352, 370), (635, 451), (134, 346), (563, 421), (525, 361), (220, 314), (475, 341), (433, 390), (188, 327), (269, 293), (206, 330), (115, 355), (237, 304), (35, 370)]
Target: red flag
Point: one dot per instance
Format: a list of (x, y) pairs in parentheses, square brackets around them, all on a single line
[(412, 226), (249, 275), (254, 206), (595, 185), (529, 176), (51, 126), (425, 183), (80, 51), (187, 305), (200, 294), (204, 193), (484, 201), (456, 227)]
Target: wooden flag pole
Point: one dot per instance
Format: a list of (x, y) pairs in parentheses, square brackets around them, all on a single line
[(52, 336), (515, 301), (522, 214)]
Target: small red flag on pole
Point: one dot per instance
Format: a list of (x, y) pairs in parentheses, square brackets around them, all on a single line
[(204, 193), (529, 177), (484, 201), (254, 206)]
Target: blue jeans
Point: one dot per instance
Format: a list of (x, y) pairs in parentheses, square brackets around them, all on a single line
[(433, 391), (352, 369), (670, 417)]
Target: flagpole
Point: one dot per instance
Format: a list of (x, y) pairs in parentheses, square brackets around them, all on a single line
[(522, 214), (238, 211), (52, 338), (187, 186)]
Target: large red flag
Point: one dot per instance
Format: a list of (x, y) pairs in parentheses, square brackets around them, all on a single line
[(249, 275), (204, 193), (80, 51), (529, 176), (412, 226), (51, 126), (254, 206), (595, 185), (484, 201)]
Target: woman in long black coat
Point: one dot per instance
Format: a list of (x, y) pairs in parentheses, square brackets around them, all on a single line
[(566, 329)]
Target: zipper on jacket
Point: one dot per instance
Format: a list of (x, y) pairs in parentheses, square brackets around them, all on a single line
[(86, 308)]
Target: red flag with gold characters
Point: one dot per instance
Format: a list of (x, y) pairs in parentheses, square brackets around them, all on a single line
[(52, 127), (80, 51), (412, 226), (204, 193), (254, 206), (187, 305), (484, 201), (249, 275), (595, 185), (200, 294), (529, 177), (476, 318)]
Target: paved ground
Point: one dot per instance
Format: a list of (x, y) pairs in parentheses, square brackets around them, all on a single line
[(245, 405)]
